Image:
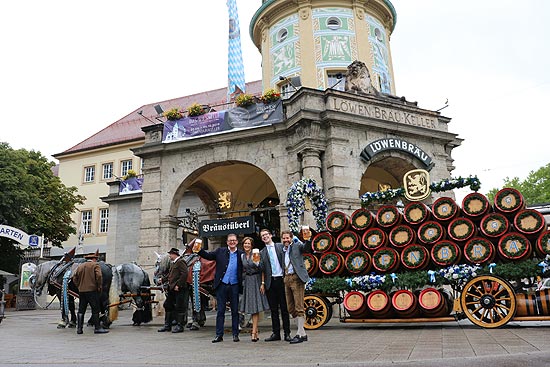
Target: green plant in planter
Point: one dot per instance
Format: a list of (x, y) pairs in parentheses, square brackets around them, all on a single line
[(195, 110), (131, 173), (173, 114), (244, 100), (270, 95)]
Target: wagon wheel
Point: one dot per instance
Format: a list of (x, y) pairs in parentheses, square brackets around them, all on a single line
[(488, 301), (317, 312)]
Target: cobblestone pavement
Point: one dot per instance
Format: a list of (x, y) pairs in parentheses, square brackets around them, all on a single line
[(31, 338)]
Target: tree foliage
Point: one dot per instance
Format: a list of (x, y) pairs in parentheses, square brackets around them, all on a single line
[(33, 200), (535, 188)]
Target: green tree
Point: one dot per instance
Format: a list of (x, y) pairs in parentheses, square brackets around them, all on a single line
[(535, 188), (33, 200)]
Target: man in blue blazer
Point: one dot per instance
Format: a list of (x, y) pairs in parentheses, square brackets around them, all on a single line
[(227, 284)]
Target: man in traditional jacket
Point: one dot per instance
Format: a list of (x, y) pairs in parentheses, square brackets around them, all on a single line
[(177, 296), (87, 277)]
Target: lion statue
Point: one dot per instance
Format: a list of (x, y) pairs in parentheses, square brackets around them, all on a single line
[(358, 79)]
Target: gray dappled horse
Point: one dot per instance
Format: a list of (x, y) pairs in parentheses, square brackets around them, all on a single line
[(130, 278)]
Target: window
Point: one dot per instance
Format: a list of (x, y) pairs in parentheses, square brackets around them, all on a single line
[(334, 23), (336, 80), (125, 166), (87, 221), (103, 220), (89, 174), (282, 35), (286, 90), (107, 170)]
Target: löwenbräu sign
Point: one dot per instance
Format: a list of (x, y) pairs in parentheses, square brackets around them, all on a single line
[(223, 227)]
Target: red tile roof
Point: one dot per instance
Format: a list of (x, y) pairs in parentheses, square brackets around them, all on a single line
[(128, 128)]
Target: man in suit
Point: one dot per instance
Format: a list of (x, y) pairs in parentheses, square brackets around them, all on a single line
[(88, 279), (272, 258), (227, 284), (295, 280), (175, 304)]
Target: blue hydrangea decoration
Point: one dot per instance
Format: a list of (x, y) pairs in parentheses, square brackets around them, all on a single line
[(295, 203)]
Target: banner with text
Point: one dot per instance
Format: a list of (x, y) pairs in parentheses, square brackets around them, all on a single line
[(223, 227)]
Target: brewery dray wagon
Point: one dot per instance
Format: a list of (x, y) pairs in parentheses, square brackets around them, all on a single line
[(420, 263)]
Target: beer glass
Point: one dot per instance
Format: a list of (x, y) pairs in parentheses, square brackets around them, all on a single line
[(256, 255), (306, 233), (197, 245)]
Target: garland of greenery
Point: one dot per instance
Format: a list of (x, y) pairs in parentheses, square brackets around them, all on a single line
[(295, 203), (493, 225), (522, 244), (430, 232), (374, 236), (452, 248), (529, 213), (504, 202), (444, 185), (420, 261), (459, 222), (393, 258), (358, 262)]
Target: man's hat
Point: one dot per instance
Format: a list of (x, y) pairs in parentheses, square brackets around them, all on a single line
[(94, 255), (175, 251)]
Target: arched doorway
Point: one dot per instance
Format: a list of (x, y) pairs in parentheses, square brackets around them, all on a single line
[(385, 173), (225, 190)]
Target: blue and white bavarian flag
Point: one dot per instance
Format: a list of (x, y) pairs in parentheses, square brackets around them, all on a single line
[(235, 66)]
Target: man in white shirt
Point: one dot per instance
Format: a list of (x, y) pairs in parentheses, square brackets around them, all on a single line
[(273, 267)]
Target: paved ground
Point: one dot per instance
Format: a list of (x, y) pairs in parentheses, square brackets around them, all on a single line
[(31, 338)]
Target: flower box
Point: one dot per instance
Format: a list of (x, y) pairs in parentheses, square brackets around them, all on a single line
[(374, 238), (445, 253)]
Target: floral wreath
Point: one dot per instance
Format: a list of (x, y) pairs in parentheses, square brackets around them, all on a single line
[(444, 185), (295, 203)]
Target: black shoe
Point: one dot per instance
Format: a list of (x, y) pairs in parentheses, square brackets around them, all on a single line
[(177, 329), (304, 338), (273, 337), (217, 339), (287, 338), (236, 338), (194, 327), (165, 328), (101, 331), (297, 339)]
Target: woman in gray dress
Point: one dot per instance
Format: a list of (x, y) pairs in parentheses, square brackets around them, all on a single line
[(254, 299)]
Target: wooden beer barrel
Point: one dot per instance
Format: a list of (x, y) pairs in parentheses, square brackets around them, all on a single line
[(444, 209), (461, 229), (347, 241), (526, 305), (337, 222), (362, 219), (374, 238), (514, 246), (543, 244), (530, 223), (445, 253), (356, 304), (479, 250), (494, 225), (322, 242), (311, 263), (415, 257), (378, 303), (388, 216), (358, 262), (331, 263), (543, 302), (434, 303), (401, 236), (431, 232), (385, 260), (416, 213), (508, 201), (404, 303), (475, 205)]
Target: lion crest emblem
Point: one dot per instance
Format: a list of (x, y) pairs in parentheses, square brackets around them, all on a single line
[(358, 79)]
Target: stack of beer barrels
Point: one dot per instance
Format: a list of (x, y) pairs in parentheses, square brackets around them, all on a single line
[(419, 237)]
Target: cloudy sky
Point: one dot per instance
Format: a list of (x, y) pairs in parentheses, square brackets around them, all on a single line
[(71, 68)]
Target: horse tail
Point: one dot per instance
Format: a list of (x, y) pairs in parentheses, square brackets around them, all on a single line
[(147, 307), (114, 295)]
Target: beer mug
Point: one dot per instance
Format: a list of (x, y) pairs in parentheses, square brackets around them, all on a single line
[(197, 245), (256, 255), (306, 233)]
